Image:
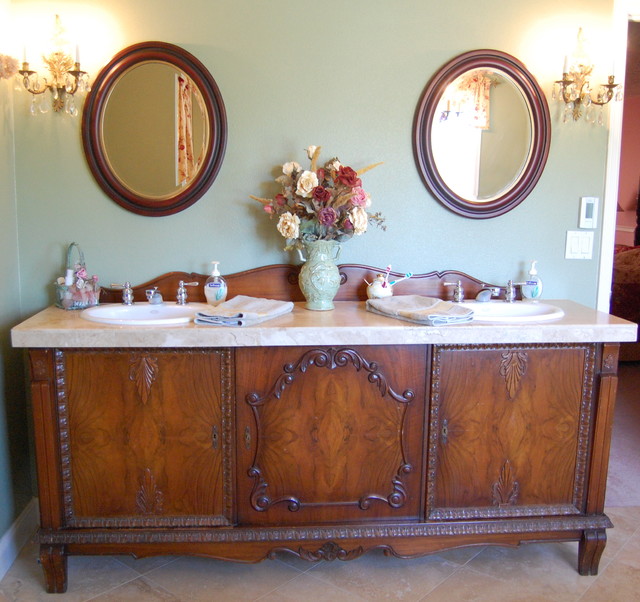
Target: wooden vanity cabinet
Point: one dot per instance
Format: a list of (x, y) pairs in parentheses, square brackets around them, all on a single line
[(322, 451)]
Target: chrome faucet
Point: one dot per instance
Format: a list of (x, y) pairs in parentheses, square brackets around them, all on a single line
[(458, 291), (127, 292), (181, 296)]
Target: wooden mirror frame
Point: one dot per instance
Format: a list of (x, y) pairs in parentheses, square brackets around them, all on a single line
[(92, 117), (540, 133)]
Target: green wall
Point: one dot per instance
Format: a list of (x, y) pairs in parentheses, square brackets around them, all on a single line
[(15, 488), (343, 75)]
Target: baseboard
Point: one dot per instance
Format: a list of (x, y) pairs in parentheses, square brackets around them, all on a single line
[(18, 535)]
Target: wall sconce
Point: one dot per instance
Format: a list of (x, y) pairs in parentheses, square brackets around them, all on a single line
[(574, 89), (66, 78)]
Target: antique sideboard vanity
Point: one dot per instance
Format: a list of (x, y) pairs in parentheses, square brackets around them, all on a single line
[(322, 434)]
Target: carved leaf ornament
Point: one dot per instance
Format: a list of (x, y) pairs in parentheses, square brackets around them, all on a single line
[(143, 371), (513, 366)]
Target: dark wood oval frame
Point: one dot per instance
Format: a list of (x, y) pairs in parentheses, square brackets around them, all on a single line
[(541, 133), (92, 123)]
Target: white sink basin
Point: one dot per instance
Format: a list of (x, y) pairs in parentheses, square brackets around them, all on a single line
[(143, 314), (518, 311)]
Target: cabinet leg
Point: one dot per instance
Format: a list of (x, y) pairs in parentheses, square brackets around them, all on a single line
[(590, 550), (54, 564)]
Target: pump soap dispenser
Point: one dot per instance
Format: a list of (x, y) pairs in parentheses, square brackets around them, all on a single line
[(532, 288), (215, 288)]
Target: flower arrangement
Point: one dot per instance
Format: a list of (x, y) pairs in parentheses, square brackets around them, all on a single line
[(320, 203)]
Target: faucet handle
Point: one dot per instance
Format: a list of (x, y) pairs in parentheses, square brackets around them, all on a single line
[(181, 296), (127, 292), (458, 291)]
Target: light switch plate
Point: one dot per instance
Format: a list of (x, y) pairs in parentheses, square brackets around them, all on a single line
[(579, 244), (588, 212)]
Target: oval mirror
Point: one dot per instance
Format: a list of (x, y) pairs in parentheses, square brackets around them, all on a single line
[(481, 134), (154, 129)]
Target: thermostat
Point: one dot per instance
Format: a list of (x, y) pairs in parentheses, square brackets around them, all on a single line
[(588, 212)]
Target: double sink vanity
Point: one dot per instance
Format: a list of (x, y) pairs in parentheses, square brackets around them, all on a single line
[(321, 434)]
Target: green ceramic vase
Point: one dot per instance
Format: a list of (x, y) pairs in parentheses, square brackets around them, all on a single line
[(319, 276)]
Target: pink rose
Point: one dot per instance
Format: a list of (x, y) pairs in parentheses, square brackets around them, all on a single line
[(348, 177), (359, 198), (268, 209), (327, 216), (321, 194)]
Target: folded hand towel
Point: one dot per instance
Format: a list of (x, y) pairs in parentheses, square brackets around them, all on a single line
[(244, 311), (421, 310)]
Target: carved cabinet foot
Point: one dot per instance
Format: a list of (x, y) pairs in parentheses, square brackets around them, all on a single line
[(54, 564), (590, 550)]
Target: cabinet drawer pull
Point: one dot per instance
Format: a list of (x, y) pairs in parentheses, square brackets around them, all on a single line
[(445, 430), (247, 437), (214, 436)]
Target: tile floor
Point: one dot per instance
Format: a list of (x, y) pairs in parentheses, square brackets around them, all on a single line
[(532, 572)]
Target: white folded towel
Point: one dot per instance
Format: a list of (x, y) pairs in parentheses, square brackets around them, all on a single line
[(244, 311), (421, 310)]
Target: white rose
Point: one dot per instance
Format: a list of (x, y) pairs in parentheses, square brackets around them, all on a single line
[(335, 165), (359, 218), (310, 151), (289, 225), (306, 183), (290, 167)]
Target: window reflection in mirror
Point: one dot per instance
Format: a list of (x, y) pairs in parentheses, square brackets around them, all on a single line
[(481, 134)]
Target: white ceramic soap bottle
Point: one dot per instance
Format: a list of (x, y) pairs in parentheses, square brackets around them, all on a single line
[(215, 288), (532, 288)]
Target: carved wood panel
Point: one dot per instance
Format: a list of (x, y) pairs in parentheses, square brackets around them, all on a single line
[(509, 430), (139, 436), (329, 434)]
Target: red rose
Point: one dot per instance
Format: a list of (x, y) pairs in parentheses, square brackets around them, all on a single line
[(280, 200), (348, 177), (321, 194)]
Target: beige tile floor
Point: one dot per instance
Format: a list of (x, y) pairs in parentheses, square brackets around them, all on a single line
[(532, 572)]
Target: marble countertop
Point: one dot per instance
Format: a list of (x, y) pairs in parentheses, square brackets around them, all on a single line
[(348, 324)]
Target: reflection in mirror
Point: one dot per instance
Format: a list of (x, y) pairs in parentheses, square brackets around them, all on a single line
[(481, 134), (154, 129)]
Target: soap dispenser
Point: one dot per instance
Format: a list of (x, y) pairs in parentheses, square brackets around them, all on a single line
[(215, 288), (532, 288)]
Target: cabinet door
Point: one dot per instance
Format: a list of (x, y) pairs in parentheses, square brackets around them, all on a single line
[(329, 435), (145, 437), (509, 430)]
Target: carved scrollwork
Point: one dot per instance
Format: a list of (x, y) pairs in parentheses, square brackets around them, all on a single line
[(330, 358), (398, 495), (261, 501), (330, 551), (513, 366), (143, 371), (506, 489)]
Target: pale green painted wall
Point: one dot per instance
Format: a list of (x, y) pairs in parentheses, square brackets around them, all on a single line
[(344, 75), (15, 489)]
